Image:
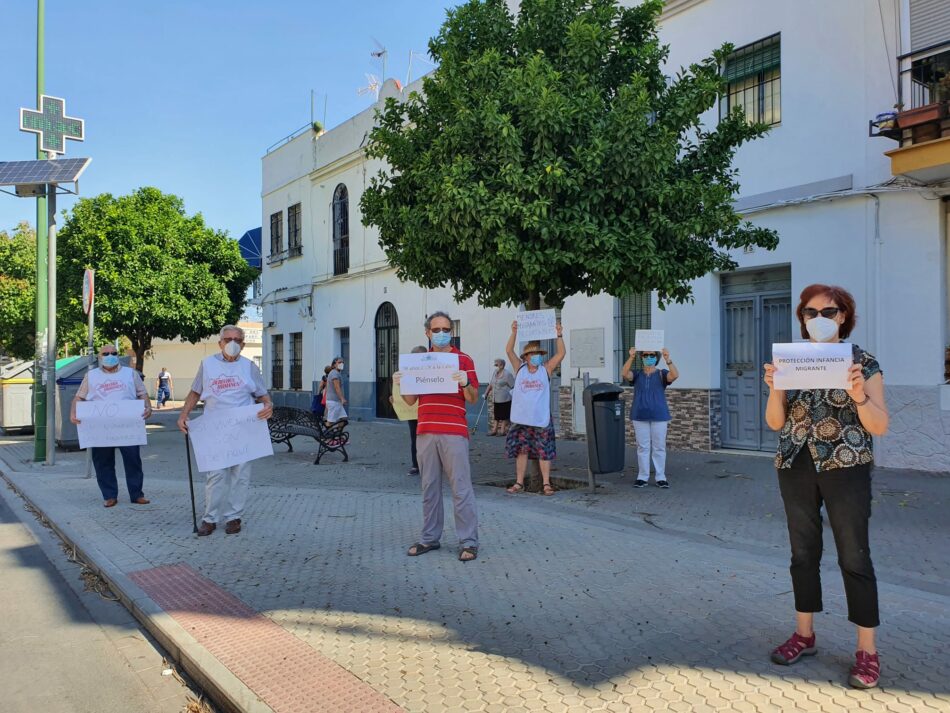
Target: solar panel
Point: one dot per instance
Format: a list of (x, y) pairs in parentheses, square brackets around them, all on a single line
[(64, 170)]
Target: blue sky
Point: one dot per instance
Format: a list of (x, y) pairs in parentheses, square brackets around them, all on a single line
[(187, 95)]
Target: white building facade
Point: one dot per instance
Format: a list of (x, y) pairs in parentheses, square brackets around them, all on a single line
[(846, 213)]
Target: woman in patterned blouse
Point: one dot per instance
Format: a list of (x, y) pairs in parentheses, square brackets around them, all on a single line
[(825, 455)]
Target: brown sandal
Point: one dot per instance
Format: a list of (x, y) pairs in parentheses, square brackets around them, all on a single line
[(516, 488), (549, 489)]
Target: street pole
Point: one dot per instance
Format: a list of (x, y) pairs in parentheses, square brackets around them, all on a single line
[(40, 372), (90, 355), (51, 325)]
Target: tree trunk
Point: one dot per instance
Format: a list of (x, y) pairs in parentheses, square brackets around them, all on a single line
[(140, 345)]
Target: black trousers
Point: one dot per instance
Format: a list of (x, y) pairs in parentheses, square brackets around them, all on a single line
[(412, 441), (846, 495)]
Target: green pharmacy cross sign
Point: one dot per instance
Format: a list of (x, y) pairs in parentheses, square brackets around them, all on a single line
[(52, 124)]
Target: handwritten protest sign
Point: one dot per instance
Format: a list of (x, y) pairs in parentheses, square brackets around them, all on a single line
[(429, 373), (110, 423), (536, 325), (227, 437), (804, 365), (648, 340)]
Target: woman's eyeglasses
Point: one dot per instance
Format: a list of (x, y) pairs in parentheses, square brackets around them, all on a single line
[(827, 312), (440, 330)]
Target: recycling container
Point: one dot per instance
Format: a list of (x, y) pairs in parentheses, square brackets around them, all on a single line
[(16, 397)]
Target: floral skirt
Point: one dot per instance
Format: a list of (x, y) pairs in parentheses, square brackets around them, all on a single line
[(536, 442)]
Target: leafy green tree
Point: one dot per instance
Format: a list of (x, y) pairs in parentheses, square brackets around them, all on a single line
[(160, 273), (17, 291), (548, 155)]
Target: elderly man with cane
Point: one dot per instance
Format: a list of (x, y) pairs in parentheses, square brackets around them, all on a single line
[(226, 380)]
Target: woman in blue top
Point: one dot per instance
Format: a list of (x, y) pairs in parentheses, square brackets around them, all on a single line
[(650, 414)]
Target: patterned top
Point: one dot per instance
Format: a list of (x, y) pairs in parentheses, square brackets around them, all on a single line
[(827, 420)]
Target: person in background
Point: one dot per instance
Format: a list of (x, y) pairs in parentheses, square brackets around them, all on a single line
[(650, 413), (114, 382), (163, 387), (336, 401), (409, 414), (825, 456), (532, 431), (499, 391), (443, 443), (318, 404)]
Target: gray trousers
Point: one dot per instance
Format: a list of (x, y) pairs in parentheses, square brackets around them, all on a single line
[(440, 454)]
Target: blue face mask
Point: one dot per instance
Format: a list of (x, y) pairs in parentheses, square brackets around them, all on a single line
[(536, 360), (441, 339), (649, 361), (110, 361)]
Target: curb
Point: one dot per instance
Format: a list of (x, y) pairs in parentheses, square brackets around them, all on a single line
[(227, 691)]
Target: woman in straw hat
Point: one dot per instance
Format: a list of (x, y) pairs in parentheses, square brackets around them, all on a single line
[(532, 433)]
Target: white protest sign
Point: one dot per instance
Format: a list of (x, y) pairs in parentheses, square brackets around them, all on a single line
[(111, 423), (231, 436), (807, 365), (648, 340), (429, 373), (537, 325)]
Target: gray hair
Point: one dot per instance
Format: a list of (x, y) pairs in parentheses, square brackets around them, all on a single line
[(419, 350), (230, 328), (439, 313)]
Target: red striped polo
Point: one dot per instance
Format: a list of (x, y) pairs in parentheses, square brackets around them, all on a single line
[(445, 413)]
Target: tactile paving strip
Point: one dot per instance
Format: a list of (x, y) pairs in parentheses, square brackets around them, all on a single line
[(288, 674)]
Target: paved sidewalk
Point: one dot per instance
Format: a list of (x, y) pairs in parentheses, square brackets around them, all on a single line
[(622, 600)]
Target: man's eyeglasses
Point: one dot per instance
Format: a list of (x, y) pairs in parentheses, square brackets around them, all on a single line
[(439, 330), (827, 312), (110, 353), (232, 339)]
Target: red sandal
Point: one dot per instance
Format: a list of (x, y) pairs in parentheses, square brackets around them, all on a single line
[(793, 649), (866, 671)]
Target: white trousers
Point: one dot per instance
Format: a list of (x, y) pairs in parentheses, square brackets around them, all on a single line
[(651, 435), (226, 493)]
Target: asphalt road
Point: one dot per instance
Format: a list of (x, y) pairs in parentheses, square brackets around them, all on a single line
[(62, 649)]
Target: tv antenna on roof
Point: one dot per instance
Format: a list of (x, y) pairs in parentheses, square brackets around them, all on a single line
[(372, 86), (381, 53)]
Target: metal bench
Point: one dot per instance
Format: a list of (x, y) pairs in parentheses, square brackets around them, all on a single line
[(286, 423)]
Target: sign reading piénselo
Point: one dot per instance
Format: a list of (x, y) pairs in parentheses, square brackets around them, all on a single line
[(111, 423), (229, 437), (648, 340), (429, 373), (537, 325), (807, 365)]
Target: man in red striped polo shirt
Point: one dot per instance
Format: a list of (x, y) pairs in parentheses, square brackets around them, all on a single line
[(442, 447)]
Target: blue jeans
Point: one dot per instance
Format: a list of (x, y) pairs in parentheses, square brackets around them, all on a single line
[(163, 395), (104, 461)]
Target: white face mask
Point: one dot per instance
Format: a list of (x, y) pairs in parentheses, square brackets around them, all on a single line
[(232, 349), (822, 329), (339, 366)]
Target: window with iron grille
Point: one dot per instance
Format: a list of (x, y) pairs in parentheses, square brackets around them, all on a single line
[(294, 244), (276, 235), (277, 361), (754, 77), (296, 360), (341, 230), (633, 313)]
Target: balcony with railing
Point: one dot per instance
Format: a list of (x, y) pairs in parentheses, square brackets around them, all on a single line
[(921, 122)]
